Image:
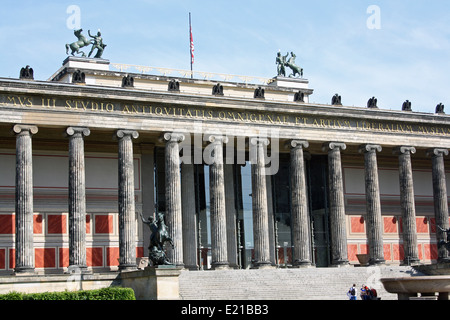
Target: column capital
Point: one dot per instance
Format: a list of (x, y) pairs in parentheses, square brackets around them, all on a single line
[(327, 146), (404, 149), (173, 137), (123, 132), (295, 143), (217, 138), (70, 131), (258, 140), (18, 128), (369, 147), (437, 152)]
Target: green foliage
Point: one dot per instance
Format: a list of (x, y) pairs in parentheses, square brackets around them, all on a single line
[(111, 293)]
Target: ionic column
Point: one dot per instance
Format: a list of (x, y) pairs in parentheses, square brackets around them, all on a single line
[(127, 216), (259, 204), (24, 198), (217, 204), (440, 199), (339, 250), (407, 204), (299, 206), (373, 204), (173, 196), (77, 198), (189, 221)]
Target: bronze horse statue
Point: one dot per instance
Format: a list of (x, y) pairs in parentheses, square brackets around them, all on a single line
[(77, 45)]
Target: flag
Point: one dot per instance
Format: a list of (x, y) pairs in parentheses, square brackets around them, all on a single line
[(192, 44)]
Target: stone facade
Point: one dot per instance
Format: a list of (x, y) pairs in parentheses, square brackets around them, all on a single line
[(91, 158)]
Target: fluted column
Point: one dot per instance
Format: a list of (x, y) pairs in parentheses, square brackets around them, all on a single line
[(24, 257), (77, 197), (259, 204), (189, 225), (373, 204), (407, 204), (173, 196), (231, 212), (440, 199), (217, 204), (339, 252), (299, 206), (127, 217)]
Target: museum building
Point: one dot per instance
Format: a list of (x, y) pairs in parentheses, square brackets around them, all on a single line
[(248, 173)]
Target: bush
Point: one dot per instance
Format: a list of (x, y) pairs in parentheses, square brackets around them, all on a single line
[(111, 293)]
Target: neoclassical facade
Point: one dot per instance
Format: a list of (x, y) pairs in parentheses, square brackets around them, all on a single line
[(246, 175)]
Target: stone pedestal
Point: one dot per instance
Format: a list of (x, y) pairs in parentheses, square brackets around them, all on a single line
[(77, 198), (127, 216), (24, 199), (153, 283)]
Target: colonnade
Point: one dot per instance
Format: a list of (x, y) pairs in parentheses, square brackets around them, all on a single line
[(181, 219)]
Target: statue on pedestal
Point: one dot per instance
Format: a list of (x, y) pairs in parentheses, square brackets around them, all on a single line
[(97, 43), (158, 238), (282, 62)]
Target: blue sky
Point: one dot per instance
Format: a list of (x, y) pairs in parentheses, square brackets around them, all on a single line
[(407, 57)]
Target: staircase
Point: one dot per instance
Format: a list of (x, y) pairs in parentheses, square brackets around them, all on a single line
[(287, 284)]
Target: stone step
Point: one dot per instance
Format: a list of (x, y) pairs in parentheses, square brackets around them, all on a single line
[(286, 283)]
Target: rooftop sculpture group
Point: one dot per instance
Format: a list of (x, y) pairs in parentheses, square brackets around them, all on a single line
[(283, 62), (96, 41)]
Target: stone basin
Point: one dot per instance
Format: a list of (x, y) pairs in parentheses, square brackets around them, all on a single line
[(427, 286)]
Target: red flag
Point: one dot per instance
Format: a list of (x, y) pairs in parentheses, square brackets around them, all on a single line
[(192, 46)]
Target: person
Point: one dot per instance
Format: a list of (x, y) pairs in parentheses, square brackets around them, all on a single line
[(352, 292)]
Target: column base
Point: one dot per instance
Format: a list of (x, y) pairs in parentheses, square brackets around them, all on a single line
[(302, 264), (262, 265), (74, 269), (220, 265), (24, 271), (340, 263), (128, 267), (410, 262)]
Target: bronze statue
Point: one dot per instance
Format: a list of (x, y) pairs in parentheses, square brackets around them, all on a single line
[(282, 62), (440, 108), (97, 43), (406, 106), (158, 238), (445, 243), (26, 73), (372, 103), (77, 45), (336, 100)]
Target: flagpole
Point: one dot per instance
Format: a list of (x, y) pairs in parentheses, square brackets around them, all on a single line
[(190, 44)]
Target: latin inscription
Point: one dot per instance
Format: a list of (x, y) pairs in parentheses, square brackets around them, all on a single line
[(206, 113)]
